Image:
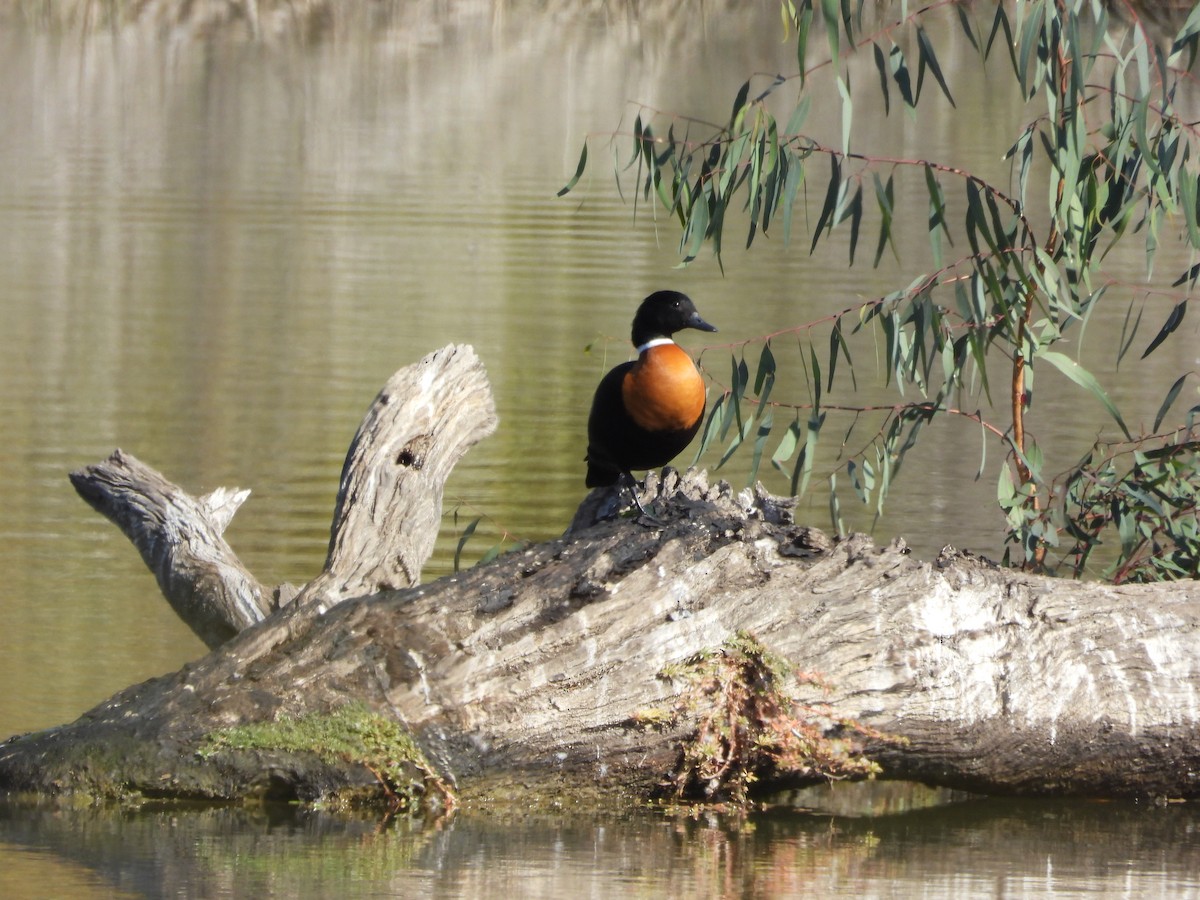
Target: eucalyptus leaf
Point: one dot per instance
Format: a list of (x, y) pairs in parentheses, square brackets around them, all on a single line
[(1085, 379)]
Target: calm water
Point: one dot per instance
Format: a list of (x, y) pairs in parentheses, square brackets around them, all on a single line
[(982, 848), (215, 253)]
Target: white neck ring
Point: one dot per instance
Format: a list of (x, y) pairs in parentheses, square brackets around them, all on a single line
[(654, 342)]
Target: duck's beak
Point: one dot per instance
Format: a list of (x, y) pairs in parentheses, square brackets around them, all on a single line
[(699, 324)]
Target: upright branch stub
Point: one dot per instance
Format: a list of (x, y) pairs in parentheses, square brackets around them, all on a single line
[(179, 537), (389, 503), (388, 510)]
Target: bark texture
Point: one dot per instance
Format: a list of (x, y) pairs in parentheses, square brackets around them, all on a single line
[(179, 538), (389, 503), (385, 522), (542, 666)]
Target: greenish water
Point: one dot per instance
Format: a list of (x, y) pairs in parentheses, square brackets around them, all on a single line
[(979, 848), (215, 253)]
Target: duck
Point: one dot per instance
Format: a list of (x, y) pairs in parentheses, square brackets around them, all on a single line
[(646, 411)]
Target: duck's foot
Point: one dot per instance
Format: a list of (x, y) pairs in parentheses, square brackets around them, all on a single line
[(645, 518)]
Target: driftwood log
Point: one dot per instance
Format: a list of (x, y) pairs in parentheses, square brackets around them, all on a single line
[(385, 522), (545, 667)]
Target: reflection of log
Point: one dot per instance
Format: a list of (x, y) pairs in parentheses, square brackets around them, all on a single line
[(983, 849), (538, 667), (389, 503)]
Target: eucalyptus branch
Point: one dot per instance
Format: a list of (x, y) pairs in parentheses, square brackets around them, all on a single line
[(1117, 169)]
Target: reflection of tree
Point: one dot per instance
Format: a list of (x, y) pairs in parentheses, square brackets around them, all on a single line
[(284, 852)]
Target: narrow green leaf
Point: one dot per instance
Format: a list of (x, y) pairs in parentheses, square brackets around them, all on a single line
[(1128, 333), (835, 340), (1173, 321), (715, 424), (578, 173), (885, 197), (829, 10), (1084, 379), (983, 443), (797, 470), (1190, 275), (1169, 399), (739, 438), (764, 378), (770, 88), (696, 230), (637, 141), (892, 342), (937, 216), (930, 58), (804, 465), (803, 24), (882, 66), (462, 541), (739, 106), (1026, 162), (1188, 198), (1142, 59), (799, 115), (816, 375), (900, 74), (977, 221), (847, 113), (838, 340), (1026, 46), (856, 213), (862, 479), (965, 21), (831, 195), (738, 381), (787, 446), (1188, 38), (760, 441), (835, 508), (1000, 23), (775, 165), (791, 187)]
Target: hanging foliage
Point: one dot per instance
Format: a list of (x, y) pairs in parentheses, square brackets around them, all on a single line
[(1007, 283)]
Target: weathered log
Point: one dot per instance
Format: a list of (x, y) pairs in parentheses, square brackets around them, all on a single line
[(385, 523), (539, 666), (549, 666)]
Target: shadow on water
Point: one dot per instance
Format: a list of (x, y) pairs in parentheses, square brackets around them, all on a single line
[(970, 847)]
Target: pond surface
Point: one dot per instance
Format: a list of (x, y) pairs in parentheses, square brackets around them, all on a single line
[(976, 848), (215, 252)]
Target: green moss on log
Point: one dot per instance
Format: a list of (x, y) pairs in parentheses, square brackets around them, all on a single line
[(350, 734)]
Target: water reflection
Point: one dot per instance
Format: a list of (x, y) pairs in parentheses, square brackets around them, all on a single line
[(976, 848)]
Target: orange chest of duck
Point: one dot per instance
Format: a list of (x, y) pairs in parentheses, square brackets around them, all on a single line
[(645, 411), (662, 390)]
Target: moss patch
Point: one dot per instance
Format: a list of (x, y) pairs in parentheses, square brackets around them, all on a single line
[(752, 726), (349, 734)]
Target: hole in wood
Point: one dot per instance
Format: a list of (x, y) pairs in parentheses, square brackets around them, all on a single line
[(413, 454)]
